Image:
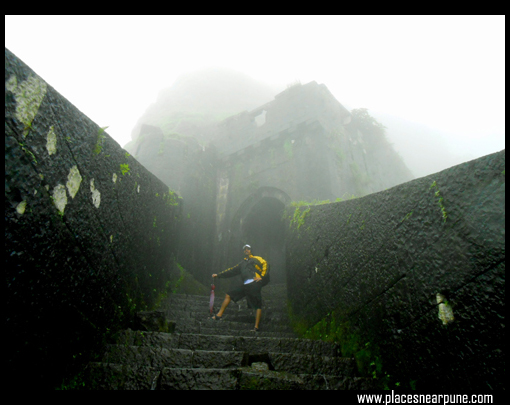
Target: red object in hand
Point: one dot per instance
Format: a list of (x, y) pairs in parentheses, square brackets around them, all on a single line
[(211, 300)]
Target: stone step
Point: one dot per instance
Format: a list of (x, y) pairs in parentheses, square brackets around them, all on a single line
[(202, 353), (217, 298), (235, 316), (244, 324), (253, 345), (238, 322), (198, 379), (234, 329), (276, 314), (246, 333), (266, 294), (270, 290), (257, 379), (311, 364), (177, 299), (224, 329), (268, 318), (160, 357), (111, 376), (203, 307)]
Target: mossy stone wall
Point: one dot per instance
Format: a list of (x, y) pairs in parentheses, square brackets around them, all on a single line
[(89, 232), (410, 280)]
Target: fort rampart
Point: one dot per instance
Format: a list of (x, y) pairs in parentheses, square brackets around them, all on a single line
[(89, 232), (411, 280)]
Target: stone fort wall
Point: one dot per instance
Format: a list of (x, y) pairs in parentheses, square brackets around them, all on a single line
[(89, 232), (411, 280)]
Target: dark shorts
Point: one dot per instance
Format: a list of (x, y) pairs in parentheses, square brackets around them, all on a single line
[(251, 291)]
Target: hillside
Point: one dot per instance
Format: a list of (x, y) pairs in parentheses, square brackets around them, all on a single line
[(201, 98)]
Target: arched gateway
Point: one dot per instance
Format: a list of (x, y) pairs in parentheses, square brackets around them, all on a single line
[(258, 222)]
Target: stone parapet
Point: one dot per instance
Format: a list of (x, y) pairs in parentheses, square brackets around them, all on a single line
[(410, 280), (89, 232)]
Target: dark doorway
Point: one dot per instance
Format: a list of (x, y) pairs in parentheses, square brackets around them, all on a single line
[(263, 229)]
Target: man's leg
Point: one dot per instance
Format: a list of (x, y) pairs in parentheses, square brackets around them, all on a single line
[(255, 301), (224, 306), (257, 318)]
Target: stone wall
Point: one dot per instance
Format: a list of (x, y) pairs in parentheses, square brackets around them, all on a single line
[(304, 144), (411, 280), (89, 232), (196, 237)]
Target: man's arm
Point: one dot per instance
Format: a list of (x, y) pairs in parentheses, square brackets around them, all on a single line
[(230, 272)]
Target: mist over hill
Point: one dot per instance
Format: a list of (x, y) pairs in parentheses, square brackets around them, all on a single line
[(423, 149), (202, 98), (199, 100)]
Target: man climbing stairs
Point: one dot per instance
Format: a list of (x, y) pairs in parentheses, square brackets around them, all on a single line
[(202, 353)]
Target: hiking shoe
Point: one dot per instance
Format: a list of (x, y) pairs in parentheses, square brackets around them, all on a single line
[(255, 330), (216, 318)]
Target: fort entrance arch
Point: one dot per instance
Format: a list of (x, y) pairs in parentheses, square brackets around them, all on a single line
[(258, 223)]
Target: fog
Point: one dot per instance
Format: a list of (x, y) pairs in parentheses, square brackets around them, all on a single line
[(436, 82)]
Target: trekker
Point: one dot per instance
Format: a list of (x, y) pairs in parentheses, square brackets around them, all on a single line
[(254, 274)]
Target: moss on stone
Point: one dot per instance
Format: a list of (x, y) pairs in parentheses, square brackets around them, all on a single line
[(29, 96), (96, 195), (59, 197), (73, 181), (20, 208), (440, 202), (51, 142), (335, 327), (100, 139)]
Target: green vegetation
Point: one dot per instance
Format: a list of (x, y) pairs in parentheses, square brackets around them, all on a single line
[(361, 178), (124, 168), (407, 216), (367, 124), (178, 281), (171, 198), (100, 139), (340, 155), (344, 197), (440, 200), (28, 152), (74, 383), (298, 217), (288, 148), (349, 218), (335, 327), (185, 284)]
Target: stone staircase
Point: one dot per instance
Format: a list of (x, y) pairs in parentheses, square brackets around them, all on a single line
[(202, 353)]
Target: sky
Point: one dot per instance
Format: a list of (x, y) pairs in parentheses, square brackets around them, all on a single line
[(443, 73)]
